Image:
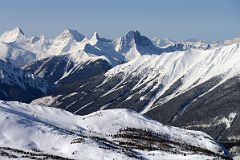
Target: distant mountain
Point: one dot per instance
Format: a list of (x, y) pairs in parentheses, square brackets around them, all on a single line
[(71, 46), (190, 43), (12, 35), (163, 42), (64, 42), (68, 42), (16, 84), (68, 57), (16, 56), (200, 44), (38, 132), (21, 49), (231, 41), (134, 45)]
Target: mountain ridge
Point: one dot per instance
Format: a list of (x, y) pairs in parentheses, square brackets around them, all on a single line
[(71, 41), (164, 87)]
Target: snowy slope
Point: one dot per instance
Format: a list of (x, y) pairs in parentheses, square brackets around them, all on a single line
[(16, 84), (67, 68), (16, 56), (165, 76), (193, 67), (197, 89), (97, 136)]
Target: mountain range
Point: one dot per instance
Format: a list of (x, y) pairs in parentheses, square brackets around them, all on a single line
[(192, 84)]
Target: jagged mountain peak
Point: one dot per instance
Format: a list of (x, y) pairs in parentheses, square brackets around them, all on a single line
[(135, 37), (18, 30), (95, 38), (95, 35), (133, 33), (70, 33), (12, 35)]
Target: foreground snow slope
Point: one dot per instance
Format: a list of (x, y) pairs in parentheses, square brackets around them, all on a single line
[(104, 134)]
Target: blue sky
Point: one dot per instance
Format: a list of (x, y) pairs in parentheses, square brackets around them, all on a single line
[(175, 19)]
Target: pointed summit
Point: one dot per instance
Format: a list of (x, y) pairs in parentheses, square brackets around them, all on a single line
[(15, 31), (70, 33), (12, 35), (134, 37), (132, 34), (94, 38), (18, 30)]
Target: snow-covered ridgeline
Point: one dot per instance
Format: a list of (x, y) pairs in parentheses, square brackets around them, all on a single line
[(192, 67), (21, 48)]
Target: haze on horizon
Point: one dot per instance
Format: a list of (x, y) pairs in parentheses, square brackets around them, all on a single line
[(174, 19)]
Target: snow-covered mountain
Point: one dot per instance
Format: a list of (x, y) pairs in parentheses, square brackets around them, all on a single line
[(134, 45), (69, 41), (16, 84), (163, 42), (66, 68), (69, 56), (190, 43), (201, 44), (22, 48), (64, 42), (29, 49), (50, 133), (15, 56), (192, 84), (79, 50), (12, 35), (17, 46), (74, 51), (231, 41), (174, 88)]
